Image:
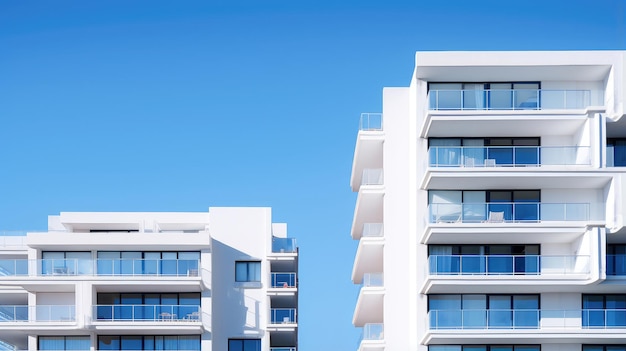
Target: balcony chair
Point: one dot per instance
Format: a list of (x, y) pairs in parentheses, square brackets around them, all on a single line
[(495, 217)]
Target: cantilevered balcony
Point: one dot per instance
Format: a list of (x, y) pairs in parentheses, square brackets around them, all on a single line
[(369, 306), (505, 273), (16, 268), (284, 245), (471, 319), (283, 280), (508, 156), (501, 99), (368, 152), (521, 112), (284, 316), (147, 313), (372, 337), (39, 313), (508, 212)]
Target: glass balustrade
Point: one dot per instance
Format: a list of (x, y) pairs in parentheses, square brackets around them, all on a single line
[(502, 99), (511, 212), (508, 156)]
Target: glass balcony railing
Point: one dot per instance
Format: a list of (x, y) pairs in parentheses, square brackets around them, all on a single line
[(373, 331), (372, 176), (283, 316), (143, 313), (517, 99), (616, 264), (39, 313), (469, 319), (373, 280), (372, 230), (284, 280), (282, 349), (508, 212), (507, 265), (371, 121), (508, 156), (100, 267), (284, 245)]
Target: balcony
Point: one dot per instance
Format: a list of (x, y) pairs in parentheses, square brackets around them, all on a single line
[(512, 319), (39, 313), (284, 245), (518, 99), (483, 113), (508, 212), (519, 265), (508, 156), (283, 280), (369, 306), (147, 313), (282, 349), (372, 337), (371, 122), (99, 267), (283, 316)]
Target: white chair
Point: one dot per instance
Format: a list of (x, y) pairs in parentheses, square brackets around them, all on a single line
[(495, 217)]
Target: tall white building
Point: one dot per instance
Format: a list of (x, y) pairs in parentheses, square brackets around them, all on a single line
[(491, 205), (219, 280)]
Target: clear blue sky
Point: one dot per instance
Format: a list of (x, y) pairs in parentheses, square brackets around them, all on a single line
[(123, 105)]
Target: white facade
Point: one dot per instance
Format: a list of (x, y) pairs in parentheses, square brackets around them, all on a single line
[(220, 280), (491, 205)]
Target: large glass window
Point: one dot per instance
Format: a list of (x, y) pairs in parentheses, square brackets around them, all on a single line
[(604, 347), (477, 152), (148, 263), (58, 343), (602, 311), (483, 311), (487, 259), (616, 259), (148, 342), (247, 271), (616, 152), (244, 345)]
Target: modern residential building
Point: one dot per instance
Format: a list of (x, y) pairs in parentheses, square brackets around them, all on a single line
[(226, 279), (491, 205)]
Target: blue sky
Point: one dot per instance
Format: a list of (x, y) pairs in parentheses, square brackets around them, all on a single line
[(181, 105)]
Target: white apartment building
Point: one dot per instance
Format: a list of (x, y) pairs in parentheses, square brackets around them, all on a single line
[(222, 280), (491, 207)]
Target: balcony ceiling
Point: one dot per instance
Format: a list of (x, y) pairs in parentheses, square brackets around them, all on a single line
[(369, 258), (369, 307), (512, 73)]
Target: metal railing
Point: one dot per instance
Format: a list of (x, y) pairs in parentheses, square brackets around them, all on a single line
[(284, 280), (372, 176), (39, 313), (282, 315), (98, 267), (468, 319), (508, 156), (281, 245), (143, 313), (371, 121), (372, 230), (517, 99), (508, 212), (518, 265)]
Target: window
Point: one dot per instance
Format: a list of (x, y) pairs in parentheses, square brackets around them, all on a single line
[(487, 259), (244, 345), (483, 311), (604, 347), (616, 259), (247, 271), (600, 311), (616, 152), (475, 152), (58, 343), (148, 342)]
